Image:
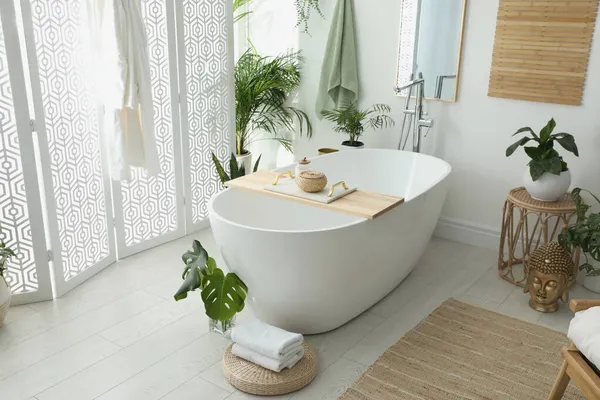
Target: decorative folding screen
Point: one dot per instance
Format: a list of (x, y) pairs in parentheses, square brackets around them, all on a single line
[(21, 225), (150, 210), (541, 50), (75, 179), (206, 70), (86, 223)]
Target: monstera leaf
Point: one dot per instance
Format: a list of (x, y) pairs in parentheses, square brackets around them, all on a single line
[(195, 261), (223, 295)]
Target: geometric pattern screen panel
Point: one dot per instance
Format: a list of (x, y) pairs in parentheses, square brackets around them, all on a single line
[(15, 225), (406, 51), (209, 106), (150, 203), (72, 133), (541, 50)]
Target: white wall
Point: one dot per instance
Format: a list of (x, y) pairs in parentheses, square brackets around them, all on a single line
[(473, 133)]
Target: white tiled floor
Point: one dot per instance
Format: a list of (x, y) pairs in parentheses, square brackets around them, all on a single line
[(122, 336)]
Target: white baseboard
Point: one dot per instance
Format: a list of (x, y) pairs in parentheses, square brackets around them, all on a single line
[(468, 233)]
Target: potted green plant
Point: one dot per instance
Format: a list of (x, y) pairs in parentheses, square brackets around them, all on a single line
[(263, 86), (5, 254), (547, 177), (224, 295), (585, 235), (350, 120), (235, 169)]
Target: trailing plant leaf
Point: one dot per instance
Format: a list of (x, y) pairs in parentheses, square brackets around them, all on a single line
[(584, 233), (595, 272), (304, 9), (223, 295)]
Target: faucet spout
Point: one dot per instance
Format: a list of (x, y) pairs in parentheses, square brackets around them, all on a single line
[(408, 85)]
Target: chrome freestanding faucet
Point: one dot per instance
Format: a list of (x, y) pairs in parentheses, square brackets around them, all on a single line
[(417, 113)]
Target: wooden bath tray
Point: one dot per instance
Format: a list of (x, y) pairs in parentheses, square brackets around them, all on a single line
[(361, 203)]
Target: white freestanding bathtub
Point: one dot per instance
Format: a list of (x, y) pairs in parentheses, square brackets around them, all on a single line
[(311, 270)]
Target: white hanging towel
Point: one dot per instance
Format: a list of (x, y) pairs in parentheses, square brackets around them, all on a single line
[(122, 79)]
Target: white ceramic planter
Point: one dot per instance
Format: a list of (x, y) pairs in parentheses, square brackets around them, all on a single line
[(246, 161), (548, 187), (346, 145), (4, 299), (592, 283)]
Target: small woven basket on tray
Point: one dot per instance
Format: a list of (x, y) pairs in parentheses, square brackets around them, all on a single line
[(254, 379), (311, 181)]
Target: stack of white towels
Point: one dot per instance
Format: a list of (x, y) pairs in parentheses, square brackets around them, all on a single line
[(267, 346)]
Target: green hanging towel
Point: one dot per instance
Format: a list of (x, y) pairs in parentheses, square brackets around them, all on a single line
[(339, 75)]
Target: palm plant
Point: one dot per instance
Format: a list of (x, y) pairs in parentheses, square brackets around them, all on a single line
[(237, 4), (262, 88), (353, 122)]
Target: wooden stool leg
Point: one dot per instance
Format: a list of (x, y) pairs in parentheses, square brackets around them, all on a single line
[(562, 381)]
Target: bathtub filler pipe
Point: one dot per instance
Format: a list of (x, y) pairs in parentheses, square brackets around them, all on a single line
[(417, 113)]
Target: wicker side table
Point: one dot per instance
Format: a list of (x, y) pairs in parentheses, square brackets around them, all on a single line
[(527, 224)]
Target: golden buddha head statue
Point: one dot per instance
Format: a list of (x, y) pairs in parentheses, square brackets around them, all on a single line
[(550, 275)]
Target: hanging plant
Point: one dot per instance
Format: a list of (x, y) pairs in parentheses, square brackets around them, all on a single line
[(304, 8)]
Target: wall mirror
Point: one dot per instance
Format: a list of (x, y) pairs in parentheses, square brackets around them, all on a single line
[(431, 34)]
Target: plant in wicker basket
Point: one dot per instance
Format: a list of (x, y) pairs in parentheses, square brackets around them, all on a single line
[(224, 295)]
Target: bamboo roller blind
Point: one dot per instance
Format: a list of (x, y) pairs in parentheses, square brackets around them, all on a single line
[(541, 50)]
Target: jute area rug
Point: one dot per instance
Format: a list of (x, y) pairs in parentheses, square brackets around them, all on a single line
[(465, 352)]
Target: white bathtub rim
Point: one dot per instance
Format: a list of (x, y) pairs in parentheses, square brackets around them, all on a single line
[(359, 220)]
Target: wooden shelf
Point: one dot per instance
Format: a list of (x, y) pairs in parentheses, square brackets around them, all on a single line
[(360, 203)]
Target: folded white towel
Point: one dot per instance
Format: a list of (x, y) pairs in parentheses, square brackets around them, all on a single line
[(267, 362), (266, 339), (584, 331)]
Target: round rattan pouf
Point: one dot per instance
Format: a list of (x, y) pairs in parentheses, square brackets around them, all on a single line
[(253, 379)]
